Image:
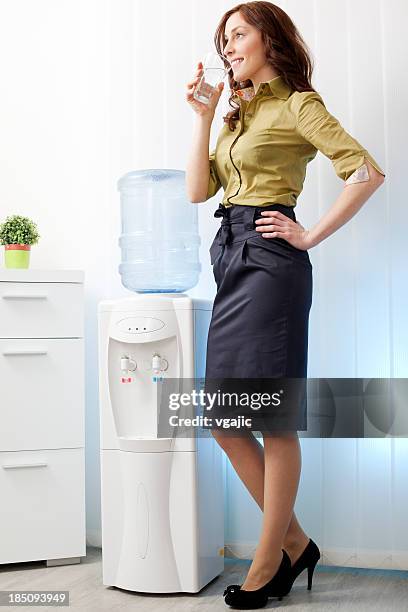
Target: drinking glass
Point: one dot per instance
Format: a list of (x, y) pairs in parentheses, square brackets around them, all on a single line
[(215, 68)]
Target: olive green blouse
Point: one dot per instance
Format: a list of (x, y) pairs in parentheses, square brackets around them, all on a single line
[(279, 132)]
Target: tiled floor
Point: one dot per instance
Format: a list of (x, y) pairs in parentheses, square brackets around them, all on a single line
[(346, 589)]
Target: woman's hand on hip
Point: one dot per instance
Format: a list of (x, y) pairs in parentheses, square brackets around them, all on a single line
[(274, 224)]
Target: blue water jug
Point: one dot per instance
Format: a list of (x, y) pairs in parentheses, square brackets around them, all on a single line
[(159, 239)]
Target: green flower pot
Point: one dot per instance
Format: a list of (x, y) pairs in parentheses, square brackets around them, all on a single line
[(17, 255)]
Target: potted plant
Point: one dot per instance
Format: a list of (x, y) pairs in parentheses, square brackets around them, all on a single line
[(18, 233)]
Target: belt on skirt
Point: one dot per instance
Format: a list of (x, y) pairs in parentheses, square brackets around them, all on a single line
[(250, 214)]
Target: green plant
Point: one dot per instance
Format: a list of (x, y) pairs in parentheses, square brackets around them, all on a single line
[(18, 230)]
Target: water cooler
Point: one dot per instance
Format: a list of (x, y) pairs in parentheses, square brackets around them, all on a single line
[(161, 497)]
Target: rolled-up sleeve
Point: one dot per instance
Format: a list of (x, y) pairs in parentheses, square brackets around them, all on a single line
[(214, 182), (316, 125)]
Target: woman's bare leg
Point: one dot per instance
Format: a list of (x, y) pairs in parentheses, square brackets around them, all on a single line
[(246, 455)]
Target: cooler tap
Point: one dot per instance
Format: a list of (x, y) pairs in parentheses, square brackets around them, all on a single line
[(159, 364), (127, 364)]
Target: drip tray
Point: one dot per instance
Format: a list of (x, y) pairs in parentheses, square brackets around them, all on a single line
[(145, 445)]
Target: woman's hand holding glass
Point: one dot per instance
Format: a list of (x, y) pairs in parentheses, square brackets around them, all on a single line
[(203, 110)]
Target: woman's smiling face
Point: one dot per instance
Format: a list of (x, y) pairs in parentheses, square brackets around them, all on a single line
[(243, 40)]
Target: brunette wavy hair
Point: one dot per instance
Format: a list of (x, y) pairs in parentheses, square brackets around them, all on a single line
[(285, 49)]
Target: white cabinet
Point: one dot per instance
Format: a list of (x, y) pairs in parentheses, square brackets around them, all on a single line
[(42, 420)]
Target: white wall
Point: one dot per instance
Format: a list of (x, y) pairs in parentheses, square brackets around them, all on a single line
[(95, 88)]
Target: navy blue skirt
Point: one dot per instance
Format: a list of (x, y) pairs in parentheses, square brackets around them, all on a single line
[(259, 323)]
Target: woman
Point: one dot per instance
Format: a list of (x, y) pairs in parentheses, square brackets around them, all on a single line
[(259, 325)]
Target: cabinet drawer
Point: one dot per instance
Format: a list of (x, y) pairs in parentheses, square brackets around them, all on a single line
[(41, 310), (42, 511), (42, 393)]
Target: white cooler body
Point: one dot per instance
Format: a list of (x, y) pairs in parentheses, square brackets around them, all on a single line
[(162, 498)]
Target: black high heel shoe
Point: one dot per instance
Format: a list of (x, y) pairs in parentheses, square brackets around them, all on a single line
[(308, 559), (278, 586)]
